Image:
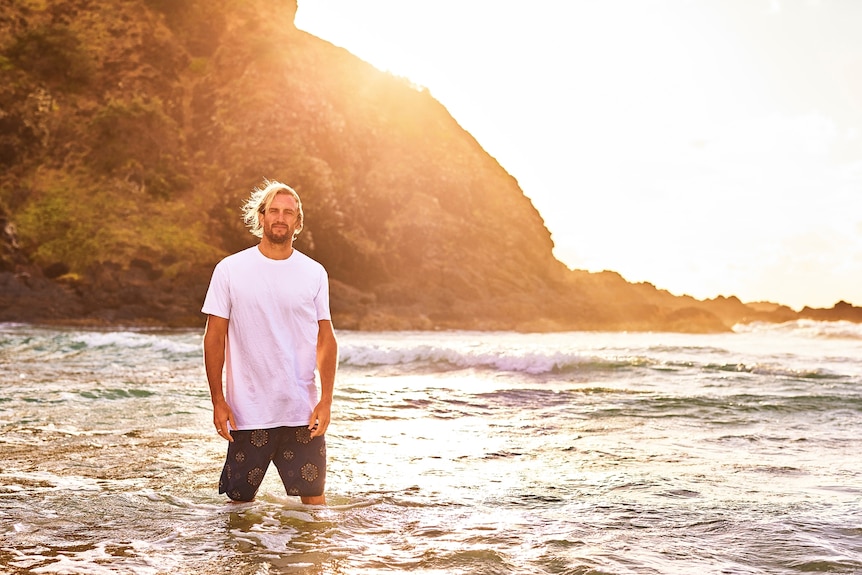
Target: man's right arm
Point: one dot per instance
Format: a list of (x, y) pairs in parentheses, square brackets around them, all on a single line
[(215, 338)]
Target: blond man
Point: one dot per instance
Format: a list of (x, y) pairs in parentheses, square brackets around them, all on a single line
[(269, 333)]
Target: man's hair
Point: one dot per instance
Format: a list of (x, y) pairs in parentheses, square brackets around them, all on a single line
[(259, 201)]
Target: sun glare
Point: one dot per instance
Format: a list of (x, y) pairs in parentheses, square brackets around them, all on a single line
[(699, 146)]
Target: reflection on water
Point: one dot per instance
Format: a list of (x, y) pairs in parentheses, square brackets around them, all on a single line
[(449, 453)]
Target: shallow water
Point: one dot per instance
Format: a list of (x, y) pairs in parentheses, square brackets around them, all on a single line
[(455, 452)]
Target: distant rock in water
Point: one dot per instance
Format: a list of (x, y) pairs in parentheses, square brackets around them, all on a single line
[(841, 311), (131, 135)]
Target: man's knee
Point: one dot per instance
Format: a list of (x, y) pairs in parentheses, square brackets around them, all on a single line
[(314, 500)]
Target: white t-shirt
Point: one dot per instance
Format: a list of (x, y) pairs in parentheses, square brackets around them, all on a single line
[(273, 307)]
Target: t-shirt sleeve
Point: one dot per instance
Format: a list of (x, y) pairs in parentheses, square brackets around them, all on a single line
[(217, 300), (321, 301)]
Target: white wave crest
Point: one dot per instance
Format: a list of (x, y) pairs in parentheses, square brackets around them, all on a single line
[(805, 328), (133, 340), (530, 361)]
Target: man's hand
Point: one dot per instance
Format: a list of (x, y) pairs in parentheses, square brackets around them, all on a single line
[(223, 419), (320, 419)]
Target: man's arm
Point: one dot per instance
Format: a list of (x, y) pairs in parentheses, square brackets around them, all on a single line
[(327, 364), (215, 338)]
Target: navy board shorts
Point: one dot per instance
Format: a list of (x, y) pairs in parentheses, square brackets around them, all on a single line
[(299, 458)]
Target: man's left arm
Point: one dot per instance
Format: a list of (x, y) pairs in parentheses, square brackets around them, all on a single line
[(327, 364)]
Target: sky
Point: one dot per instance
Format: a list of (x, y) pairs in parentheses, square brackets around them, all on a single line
[(709, 147)]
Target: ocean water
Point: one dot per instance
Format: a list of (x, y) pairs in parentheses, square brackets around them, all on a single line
[(452, 452)]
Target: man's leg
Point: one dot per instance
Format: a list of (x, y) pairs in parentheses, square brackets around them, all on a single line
[(301, 463), (248, 457)]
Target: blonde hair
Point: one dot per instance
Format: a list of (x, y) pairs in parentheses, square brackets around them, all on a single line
[(259, 201)]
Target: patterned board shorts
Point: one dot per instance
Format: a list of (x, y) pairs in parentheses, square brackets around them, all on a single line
[(300, 460)]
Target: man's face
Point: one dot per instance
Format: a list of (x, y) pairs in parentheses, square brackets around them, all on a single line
[(280, 219)]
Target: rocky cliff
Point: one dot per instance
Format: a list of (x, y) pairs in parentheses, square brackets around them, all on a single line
[(131, 130)]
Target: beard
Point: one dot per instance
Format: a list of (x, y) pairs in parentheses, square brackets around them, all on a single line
[(278, 237)]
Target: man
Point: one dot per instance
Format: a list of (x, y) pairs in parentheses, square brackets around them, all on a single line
[(269, 328)]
